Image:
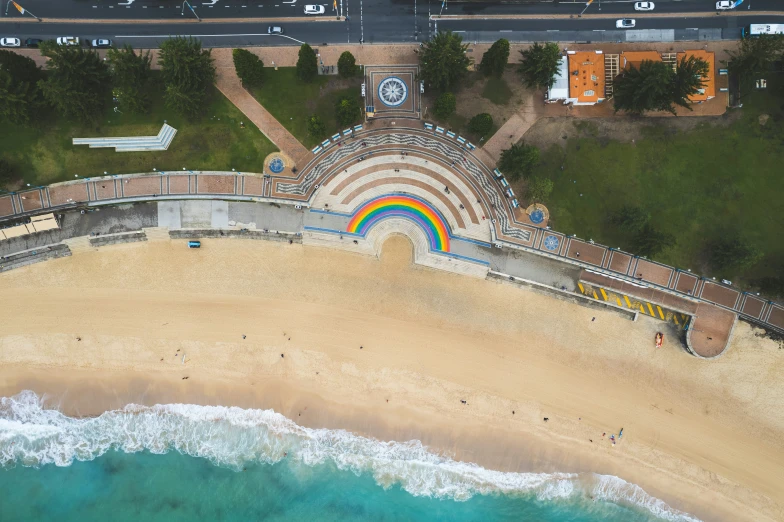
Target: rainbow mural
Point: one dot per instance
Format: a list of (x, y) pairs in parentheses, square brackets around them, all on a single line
[(407, 207)]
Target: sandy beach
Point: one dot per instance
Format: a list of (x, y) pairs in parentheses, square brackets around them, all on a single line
[(390, 350)]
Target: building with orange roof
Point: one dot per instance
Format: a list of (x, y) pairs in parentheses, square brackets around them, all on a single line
[(635, 58), (586, 77), (708, 90)]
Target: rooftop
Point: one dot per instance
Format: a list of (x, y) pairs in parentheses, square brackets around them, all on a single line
[(586, 76), (709, 87), (635, 58)]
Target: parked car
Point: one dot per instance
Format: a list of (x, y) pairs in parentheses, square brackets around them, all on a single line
[(33, 42), (644, 6), (314, 9), (68, 40), (625, 23), (723, 5), (274, 29), (10, 42), (101, 43)]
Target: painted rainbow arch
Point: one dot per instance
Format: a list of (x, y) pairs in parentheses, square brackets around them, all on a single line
[(407, 207)]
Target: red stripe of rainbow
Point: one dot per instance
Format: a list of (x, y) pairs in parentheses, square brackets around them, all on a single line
[(407, 207)]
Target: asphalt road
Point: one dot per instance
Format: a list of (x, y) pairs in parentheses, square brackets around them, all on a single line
[(393, 10), (377, 29)]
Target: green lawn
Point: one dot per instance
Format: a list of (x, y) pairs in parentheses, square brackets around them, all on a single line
[(696, 185), (292, 101), (46, 155)]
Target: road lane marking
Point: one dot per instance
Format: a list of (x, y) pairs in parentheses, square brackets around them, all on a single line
[(660, 311), (627, 301), (581, 287), (603, 293), (651, 309), (207, 36)]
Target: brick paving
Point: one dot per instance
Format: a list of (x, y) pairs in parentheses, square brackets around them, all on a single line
[(60, 194), (653, 272), (179, 184), (710, 330), (6, 206), (216, 184), (143, 186), (229, 84), (31, 200), (105, 189), (253, 186)]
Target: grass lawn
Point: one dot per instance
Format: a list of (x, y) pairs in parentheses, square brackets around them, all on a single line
[(497, 91), (215, 142), (696, 185), (292, 101)]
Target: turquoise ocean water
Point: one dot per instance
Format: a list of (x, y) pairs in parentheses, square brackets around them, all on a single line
[(185, 462)]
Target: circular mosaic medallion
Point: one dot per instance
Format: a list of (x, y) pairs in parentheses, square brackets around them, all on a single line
[(551, 243), (392, 91), (276, 165), (536, 217)]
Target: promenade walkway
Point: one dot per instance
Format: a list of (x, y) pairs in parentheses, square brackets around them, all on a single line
[(459, 213)]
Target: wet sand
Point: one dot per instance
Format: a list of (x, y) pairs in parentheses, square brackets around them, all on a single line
[(705, 436)]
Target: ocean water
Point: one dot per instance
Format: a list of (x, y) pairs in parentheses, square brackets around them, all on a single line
[(185, 462)]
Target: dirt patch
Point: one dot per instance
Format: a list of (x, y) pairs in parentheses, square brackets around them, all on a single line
[(470, 100), (548, 131)]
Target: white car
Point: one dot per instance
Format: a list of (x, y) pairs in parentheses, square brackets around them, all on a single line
[(68, 40), (723, 5), (101, 43), (625, 23), (274, 29), (10, 42), (644, 6), (314, 9)]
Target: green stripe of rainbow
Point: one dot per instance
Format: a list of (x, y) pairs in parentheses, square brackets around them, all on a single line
[(407, 207)]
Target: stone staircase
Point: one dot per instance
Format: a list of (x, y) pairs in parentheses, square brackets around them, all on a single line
[(79, 245)]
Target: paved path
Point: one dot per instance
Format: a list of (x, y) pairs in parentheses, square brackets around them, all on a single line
[(510, 133), (229, 84)]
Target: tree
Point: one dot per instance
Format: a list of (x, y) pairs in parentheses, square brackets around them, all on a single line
[(77, 83), (347, 110), (131, 78), (445, 106), (539, 188), (347, 65), (540, 65), (481, 124), (629, 218), (731, 252), (188, 74), (20, 102), (772, 286), (756, 55), (316, 127), (443, 60), (249, 67), (648, 242), (689, 79), (518, 160), (648, 88), (8, 173), (494, 60), (307, 64)]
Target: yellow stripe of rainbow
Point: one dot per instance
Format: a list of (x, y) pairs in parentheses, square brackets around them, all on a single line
[(407, 207)]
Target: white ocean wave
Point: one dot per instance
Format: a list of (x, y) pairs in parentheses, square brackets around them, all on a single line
[(33, 436)]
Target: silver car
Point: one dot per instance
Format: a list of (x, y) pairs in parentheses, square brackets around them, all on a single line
[(625, 23)]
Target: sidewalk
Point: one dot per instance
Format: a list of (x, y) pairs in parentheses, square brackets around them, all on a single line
[(229, 84)]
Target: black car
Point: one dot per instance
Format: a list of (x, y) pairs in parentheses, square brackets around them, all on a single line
[(33, 42)]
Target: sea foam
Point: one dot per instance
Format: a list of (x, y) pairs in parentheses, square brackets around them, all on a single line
[(31, 435)]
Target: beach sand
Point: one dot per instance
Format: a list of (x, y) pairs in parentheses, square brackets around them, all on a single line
[(389, 350)]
